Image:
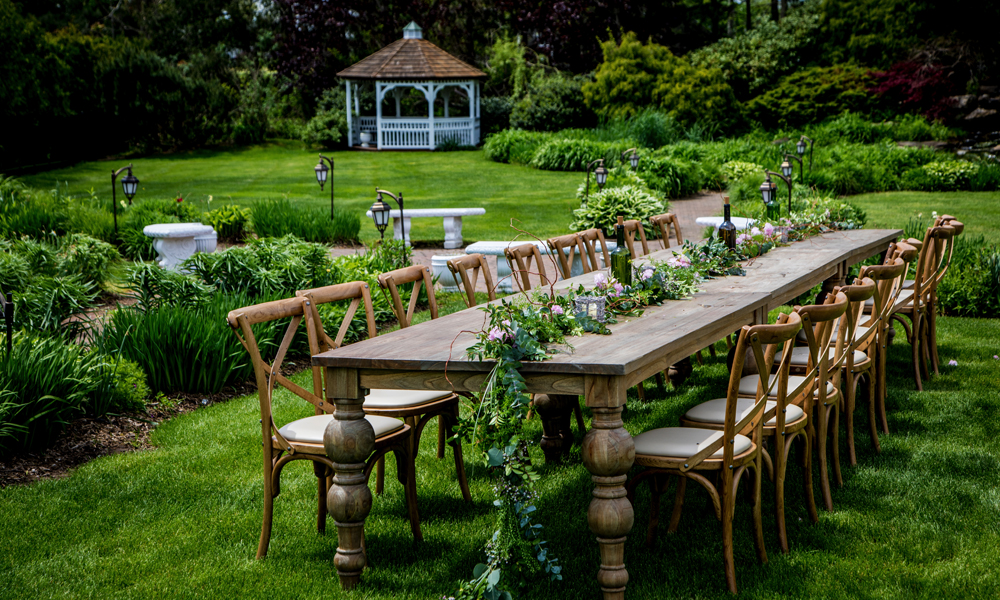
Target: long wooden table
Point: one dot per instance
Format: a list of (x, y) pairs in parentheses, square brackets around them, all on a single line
[(431, 356)]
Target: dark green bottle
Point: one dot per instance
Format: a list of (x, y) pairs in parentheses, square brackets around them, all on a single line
[(773, 210), (621, 258), (727, 231)]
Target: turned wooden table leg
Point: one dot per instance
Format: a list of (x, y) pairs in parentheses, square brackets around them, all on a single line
[(349, 440), (555, 411), (608, 453)]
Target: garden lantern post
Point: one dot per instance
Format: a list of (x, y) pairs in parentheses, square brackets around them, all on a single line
[(380, 213), (801, 168), (600, 174), (633, 159), (321, 174), (801, 149), (129, 186)]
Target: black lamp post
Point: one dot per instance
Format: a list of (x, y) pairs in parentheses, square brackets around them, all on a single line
[(774, 186), (801, 168), (380, 213), (129, 185), (321, 173), (633, 159), (600, 174), (801, 149)]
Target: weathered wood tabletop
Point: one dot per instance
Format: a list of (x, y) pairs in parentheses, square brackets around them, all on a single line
[(432, 356)]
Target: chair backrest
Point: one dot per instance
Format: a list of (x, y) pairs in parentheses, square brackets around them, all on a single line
[(358, 294), (564, 247), (888, 280), (945, 242), (820, 322), (634, 228), (664, 222), (242, 321), (461, 266), (590, 239), (933, 261), (417, 275), (762, 342), (857, 294), (520, 258)]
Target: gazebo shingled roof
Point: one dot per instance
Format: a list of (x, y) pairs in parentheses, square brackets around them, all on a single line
[(411, 59)]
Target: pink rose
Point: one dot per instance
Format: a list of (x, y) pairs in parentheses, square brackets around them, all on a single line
[(557, 310), (600, 280), (768, 229)]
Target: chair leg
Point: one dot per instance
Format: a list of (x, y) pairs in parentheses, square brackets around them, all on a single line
[(406, 472), (781, 460), (822, 435), (925, 346), (581, 426), (932, 334), (872, 419), (265, 527), (728, 511), (380, 476), (807, 476), (881, 390), (675, 515), (640, 391), (758, 522), (697, 356), (656, 487), (851, 382), (321, 480), (711, 350), (834, 422), (442, 427), (456, 449), (915, 350)]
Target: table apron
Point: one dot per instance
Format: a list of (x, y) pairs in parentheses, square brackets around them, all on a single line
[(466, 381)]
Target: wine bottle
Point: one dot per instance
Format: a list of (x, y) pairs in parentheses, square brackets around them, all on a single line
[(773, 210), (727, 231), (621, 258)]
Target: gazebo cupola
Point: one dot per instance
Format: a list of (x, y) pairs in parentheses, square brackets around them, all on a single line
[(413, 63)]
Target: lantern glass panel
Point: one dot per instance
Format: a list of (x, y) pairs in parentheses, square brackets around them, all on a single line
[(800, 147), (765, 192), (602, 175), (380, 213), (634, 159), (129, 185), (592, 306), (786, 169), (321, 171)]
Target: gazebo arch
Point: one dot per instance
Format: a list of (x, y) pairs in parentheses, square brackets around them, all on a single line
[(415, 63)]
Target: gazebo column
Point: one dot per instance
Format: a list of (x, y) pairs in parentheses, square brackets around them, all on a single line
[(379, 94), (446, 93), (431, 95), (350, 129), (397, 94)]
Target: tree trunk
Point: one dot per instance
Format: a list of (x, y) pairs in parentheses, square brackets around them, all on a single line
[(774, 10), (784, 8), (749, 22)]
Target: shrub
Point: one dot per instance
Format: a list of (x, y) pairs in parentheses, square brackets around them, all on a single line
[(752, 59), (604, 207), (48, 301), (153, 286), (650, 128), (553, 102), (495, 114), (230, 222), (813, 94), (986, 178), (672, 177), (618, 176), (972, 286), (634, 76), (185, 349), (43, 385), (576, 154), (121, 387), (89, 258), (735, 170), (277, 218), (941, 176), (329, 126), (262, 267), (514, 146)]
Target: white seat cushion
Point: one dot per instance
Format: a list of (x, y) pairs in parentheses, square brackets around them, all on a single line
[(401, 398), (310, 429), (908, 283), (748, 385), (714, 411), (683, 442), (800, 356)]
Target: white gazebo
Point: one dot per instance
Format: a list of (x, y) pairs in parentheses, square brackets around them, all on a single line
[(415, 63)]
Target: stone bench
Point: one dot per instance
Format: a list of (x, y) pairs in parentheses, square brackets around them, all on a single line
[(175, 242), (452, 222), (504, 279)]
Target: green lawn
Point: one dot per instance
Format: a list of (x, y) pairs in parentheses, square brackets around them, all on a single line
[(921, 520), (542, 200), (979, 211)]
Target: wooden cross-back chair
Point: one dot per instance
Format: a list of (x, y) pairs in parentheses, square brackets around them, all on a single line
[(520, 258), (959, 227), (633, 228), (302, 439), (565, 247), (418, 276), (888, 280), (467, 270), (591, 238), (915, 303), (665, 222), (788, 414), (717, 460), (414, 407), (861, 336)]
